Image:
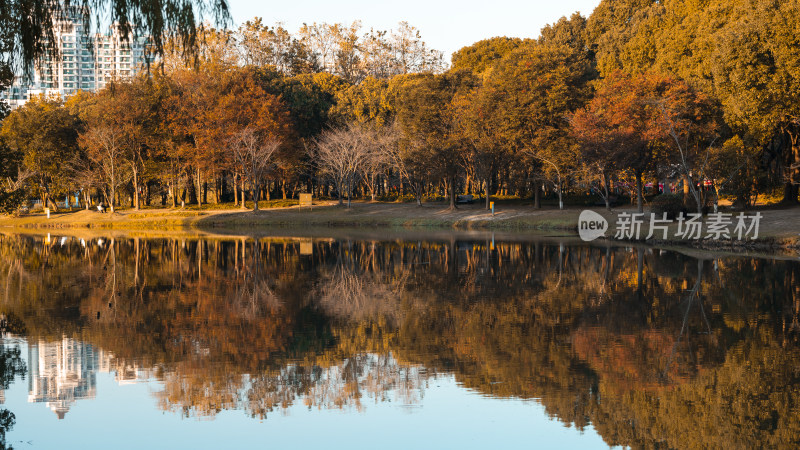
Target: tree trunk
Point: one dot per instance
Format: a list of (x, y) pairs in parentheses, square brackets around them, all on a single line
[(47, 200), (135, 187), (235, 190), (639, 192), (112, 200), (790, 189), (199, 188), (537, 195), (685, 189), (243, 192), (349, 193), (452, 183), (560, 196), (488, 190), (255, 189), (605, 188), (790, 192)]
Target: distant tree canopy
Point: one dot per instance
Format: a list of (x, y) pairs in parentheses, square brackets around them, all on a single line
[(744, 54), (484, 54)]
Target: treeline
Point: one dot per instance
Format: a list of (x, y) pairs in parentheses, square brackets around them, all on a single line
[(641, 91)]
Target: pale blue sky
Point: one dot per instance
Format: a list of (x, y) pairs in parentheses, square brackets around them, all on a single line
[(445, 25)]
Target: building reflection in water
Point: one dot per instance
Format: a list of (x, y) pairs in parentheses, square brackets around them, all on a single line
[(61, 372)]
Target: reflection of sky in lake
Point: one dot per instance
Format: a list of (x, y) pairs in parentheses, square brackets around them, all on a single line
[(448, 416)]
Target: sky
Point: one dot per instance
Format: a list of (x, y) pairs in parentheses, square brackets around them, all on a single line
[(445, 25)]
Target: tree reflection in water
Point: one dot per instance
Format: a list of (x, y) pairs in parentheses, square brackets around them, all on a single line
[(11, 366), (652, 348)]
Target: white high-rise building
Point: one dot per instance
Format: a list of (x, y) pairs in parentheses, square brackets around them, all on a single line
[(86, 62)]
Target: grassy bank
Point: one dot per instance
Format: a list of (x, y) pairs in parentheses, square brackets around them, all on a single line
[(778, 228), (385, 215)]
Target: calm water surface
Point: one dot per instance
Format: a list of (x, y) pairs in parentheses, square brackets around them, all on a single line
[(443, 342)]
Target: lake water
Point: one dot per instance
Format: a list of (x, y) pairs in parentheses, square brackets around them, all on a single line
[(380, 341)]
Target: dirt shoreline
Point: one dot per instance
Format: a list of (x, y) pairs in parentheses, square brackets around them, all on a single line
[(779, 228)]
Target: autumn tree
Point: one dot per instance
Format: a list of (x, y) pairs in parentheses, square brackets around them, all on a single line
[(740, 53), (343, 154), (412, 55), (484, 54), (46, 135), (261, 45), (253, 154), (599, 139), (340, 49), (530, 94), (620, 128), (755, 63), (425, 116), (483, 155), (688, 119), (368, 102), (254, 125), (309, 99), (191, 114), (648, 123), (104, 146), (133, 108)]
